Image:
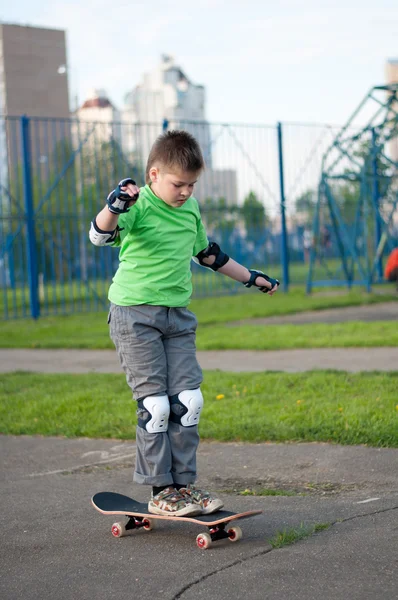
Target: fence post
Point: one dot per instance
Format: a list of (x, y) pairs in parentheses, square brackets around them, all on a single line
[(284, 245), (30, 219), (376, 201)]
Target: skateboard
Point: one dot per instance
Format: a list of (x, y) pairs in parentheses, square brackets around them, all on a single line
[(110, 503)]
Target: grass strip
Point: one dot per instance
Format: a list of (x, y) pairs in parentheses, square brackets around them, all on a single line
[(317, 406), (62, 332), (89, 330), (314, 335)]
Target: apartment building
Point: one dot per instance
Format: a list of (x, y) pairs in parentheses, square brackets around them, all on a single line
[(33, 82)]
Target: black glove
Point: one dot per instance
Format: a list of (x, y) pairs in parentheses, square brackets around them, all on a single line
[(252, 281), (118, 201)]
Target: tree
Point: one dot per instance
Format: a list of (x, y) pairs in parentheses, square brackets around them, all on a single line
[(254, 217), (305, 205), (221, 221)]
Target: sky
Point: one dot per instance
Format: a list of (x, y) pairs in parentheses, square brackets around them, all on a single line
[(260, 62)]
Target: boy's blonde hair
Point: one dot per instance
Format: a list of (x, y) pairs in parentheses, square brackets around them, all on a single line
[(175, 150)]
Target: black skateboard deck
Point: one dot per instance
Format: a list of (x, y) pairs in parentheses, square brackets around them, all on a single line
[(110, 503)]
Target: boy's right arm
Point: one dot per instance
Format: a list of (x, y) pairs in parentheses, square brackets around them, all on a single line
[(106, 220), (104, 227)]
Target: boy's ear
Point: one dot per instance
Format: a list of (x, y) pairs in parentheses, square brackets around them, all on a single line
[(153, 174)]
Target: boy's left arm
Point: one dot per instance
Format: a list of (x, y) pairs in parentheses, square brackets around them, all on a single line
[(214, 258)]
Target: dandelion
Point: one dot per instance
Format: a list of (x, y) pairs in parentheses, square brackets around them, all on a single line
[(340, 409), (220, 397), (299, 402), (396, 407)]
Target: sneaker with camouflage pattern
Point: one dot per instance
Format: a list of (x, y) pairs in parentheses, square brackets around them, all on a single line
[(171, 503), (208, 502)]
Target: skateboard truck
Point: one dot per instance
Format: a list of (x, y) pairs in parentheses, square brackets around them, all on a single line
[(218, 532), (119, 529)]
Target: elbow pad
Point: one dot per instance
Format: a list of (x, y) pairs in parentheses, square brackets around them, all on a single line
[(98, 237), (213, 249)]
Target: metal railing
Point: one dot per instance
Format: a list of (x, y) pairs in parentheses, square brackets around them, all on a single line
[(255, 197)]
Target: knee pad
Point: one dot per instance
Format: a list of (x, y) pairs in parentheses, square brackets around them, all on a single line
[(185, 407), (153, 413)]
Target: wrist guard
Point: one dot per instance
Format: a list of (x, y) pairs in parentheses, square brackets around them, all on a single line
[(118, 201), (252, 281)]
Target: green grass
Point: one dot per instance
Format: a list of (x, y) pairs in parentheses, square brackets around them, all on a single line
[(318, 406), (75, 333), (314, 335), (70, 295), (90, 330), (252, 304), (291, 535)]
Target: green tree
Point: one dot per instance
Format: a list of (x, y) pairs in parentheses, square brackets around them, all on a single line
[(219, 216), (305, 205), (254, 216)]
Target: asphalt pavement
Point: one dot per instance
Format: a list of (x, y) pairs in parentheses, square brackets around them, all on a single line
[(106, 361), (55, 545)]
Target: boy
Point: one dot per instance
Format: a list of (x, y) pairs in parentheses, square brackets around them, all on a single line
[(159, 231)]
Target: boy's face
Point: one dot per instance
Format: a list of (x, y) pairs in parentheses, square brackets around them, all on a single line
[(173, 187)]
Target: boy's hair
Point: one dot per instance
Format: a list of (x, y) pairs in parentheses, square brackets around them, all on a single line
[(175, 149)]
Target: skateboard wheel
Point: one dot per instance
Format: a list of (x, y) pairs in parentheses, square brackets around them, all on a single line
[(234, 534), (147, 524), (203, 541), (118, 530)]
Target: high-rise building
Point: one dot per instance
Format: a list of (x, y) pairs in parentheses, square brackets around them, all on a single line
[(33, 82), (96, 136), (392, 70), (97, 120), (33, 73), (165, 94), (167, 99)]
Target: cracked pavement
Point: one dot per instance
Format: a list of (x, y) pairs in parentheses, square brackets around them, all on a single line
[(55, 544)]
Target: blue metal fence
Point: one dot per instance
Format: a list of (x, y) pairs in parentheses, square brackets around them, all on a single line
[(256, 198)]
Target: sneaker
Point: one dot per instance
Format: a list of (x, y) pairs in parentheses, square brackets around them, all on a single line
[(170, 502), (209, 503)]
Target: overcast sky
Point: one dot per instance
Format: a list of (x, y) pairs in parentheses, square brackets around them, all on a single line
[(260, 62)]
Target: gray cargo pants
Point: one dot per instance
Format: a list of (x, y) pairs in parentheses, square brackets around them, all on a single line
[(156, 348)]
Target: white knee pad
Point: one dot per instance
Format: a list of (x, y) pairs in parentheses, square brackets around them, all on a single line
[(153, 413), (186, 407)]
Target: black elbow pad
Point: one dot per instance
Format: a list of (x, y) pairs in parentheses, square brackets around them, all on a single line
[(213, 249)]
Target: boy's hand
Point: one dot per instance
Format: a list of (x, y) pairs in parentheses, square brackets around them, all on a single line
[(265, 284), (125, 195)]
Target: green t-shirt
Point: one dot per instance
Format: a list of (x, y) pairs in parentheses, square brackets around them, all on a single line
[(157, 243)]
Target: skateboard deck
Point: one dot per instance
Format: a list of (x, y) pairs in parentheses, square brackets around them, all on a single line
[(110, 503)]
